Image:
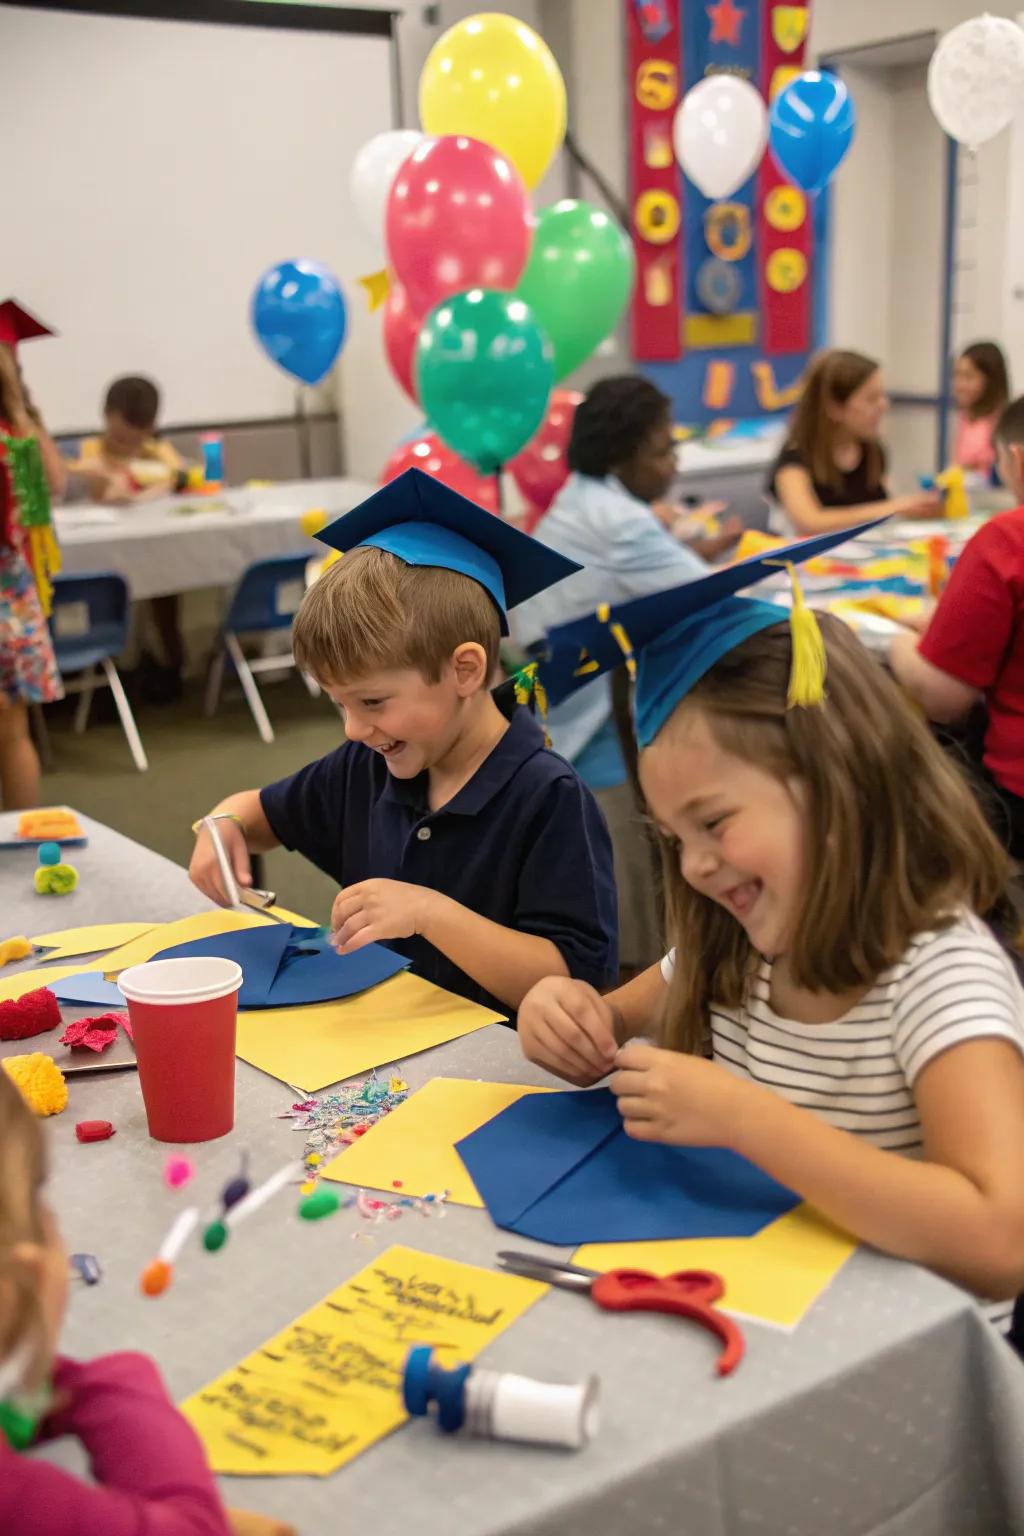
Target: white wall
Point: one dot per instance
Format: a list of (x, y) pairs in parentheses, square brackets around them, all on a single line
[(860, 290)]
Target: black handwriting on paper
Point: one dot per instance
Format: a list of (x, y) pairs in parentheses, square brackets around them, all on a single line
[(259, 1409)]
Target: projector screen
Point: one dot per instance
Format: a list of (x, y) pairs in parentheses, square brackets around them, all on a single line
[(153, 169)]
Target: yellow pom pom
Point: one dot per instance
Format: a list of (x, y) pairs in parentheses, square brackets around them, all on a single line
[(810, 661), (39, 1080), (14, 949), (55, 879), (312, 521)]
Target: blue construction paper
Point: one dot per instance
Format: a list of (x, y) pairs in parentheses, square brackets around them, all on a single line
[(283, 967), (559, 1168), (88, 987)]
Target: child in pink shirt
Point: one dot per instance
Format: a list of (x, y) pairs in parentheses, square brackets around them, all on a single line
[(981, 391), (151, 1477)]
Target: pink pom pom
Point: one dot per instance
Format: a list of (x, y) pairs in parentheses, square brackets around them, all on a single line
[(178, 1171)]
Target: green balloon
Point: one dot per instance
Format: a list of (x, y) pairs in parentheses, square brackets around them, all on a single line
[(578, 278), (484, 372)]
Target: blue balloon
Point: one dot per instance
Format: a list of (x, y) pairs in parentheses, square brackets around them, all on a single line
[(298, 314), (811, 127)]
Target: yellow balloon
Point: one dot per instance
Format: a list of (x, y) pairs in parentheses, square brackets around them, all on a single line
[(492, 78)]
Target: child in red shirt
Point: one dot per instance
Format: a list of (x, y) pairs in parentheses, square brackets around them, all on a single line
[(151, 1477), (973, 648)]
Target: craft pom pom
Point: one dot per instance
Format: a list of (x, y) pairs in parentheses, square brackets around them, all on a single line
[(32, 1014), (14, 949), (49, 853), (55, 879), (179, 1171), (40, 1082)]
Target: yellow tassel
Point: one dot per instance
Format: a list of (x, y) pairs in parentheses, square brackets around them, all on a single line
[(810, 661), (622, 640)]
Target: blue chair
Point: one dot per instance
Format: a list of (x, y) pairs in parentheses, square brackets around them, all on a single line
[(266, 599), (89, 625)]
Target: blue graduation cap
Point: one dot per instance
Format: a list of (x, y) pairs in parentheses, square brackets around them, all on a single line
[(423, 522), (677, 636)]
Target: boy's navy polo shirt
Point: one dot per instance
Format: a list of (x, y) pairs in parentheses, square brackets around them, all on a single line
[(523, 843)]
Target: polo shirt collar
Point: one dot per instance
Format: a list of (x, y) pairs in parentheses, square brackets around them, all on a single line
[(523, 738)]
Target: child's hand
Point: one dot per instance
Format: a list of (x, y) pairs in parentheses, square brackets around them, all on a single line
[(681, 1100), (204, 870), (377, 910), (244, 1523), (569, 1029)]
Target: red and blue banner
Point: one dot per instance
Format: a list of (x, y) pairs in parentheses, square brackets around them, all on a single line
[(723, 315)]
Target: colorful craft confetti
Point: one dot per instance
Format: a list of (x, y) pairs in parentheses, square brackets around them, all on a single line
[(96, 1033)]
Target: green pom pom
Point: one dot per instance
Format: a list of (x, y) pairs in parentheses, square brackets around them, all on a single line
[(55, 879), (215, 1236), (323, 1203)]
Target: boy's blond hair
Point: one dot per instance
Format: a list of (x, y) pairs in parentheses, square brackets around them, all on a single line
[(371, 612), (22, 1171)]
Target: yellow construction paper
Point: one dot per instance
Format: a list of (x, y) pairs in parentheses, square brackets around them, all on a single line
[(201, 925), (13, 987), (329, 1385), (415, 1143), (773, 1277), (310, 1048), (66, 943)]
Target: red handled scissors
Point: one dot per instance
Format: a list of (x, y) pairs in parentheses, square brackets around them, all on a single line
[(689, 1293)]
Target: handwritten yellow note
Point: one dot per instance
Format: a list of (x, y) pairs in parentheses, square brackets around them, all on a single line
[(415, 1143), (66, 943), (313, 1047), (773, 1277), (328, 1386)]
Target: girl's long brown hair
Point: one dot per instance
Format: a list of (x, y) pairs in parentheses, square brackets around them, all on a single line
[(988, 358), (896, 842), (831, 379), (22, 1174)]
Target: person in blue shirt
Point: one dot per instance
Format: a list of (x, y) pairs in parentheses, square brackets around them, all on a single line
[(622, 457), (456, 836)]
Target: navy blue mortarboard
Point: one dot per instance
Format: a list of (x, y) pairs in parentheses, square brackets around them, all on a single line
[(422, 522), (677, 636)]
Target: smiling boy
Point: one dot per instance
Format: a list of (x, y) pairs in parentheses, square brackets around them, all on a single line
[(456, 836)]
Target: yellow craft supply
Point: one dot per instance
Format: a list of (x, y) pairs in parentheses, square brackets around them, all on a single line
[(415, 1143), (39, 1081), (55, 879), (952, 483), (14, 949), (330, 1384), (66, 943), (312, 1047)]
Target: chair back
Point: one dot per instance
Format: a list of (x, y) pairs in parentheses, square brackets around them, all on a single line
[(268, 594), (89, 619)]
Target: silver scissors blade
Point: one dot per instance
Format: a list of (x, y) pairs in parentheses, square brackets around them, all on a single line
[(531, 1266)]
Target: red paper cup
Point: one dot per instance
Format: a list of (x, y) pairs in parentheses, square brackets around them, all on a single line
[(183, 1015)]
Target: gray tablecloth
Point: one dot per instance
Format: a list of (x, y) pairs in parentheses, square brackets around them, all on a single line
[(893, 1409), (180, 544)]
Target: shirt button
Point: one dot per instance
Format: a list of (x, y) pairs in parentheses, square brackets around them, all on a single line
[(424, 834)]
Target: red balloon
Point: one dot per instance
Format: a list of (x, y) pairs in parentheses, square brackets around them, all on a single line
[(427, 452), (401, 328), (541, 469), (458, 217)]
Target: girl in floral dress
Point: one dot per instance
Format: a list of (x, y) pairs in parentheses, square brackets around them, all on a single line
[(28, 670)]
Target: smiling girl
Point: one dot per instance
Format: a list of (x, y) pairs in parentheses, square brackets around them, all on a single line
[(834, 1008)]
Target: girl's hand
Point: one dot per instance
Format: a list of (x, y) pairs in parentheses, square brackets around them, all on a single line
[(922, 504), (683, 1101), (568, 1028)]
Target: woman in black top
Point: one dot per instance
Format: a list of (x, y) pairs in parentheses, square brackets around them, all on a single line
[(831, 472)]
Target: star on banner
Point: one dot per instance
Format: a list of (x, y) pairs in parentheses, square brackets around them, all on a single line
[(726, 19)]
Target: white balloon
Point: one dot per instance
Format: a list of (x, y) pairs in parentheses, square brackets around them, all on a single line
[(720, 133), (373, 170), (976, 78)]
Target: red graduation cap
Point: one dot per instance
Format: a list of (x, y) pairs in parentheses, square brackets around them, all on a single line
[(16, 324)]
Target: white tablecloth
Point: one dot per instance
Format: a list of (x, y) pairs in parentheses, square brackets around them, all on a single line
[(182, 543)]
